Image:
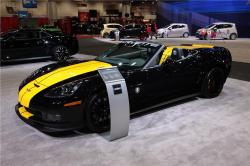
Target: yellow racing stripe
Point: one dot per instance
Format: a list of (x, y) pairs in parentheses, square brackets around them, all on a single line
[(30, 90), (24, 113)]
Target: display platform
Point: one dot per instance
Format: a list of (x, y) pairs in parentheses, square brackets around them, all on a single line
[(193, 132)]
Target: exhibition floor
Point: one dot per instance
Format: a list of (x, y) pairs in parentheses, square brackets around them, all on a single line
[(194, 132)]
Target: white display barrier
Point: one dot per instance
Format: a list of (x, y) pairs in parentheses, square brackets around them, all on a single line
[(118, 102)]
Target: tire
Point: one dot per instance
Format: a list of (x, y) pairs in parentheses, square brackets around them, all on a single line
[(186, 35), (97, 113), (233, 36), (213, 83), (105, 35), (163, 35), (60, 53)]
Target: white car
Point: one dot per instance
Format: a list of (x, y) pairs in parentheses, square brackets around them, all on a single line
[(174, 30), (107, 28), (219, 30)]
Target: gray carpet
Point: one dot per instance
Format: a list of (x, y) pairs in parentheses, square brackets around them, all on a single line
[(209, 132)]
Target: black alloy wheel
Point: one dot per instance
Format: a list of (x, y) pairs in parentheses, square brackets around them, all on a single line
[(98, 113), (61, 53), (213, 83)]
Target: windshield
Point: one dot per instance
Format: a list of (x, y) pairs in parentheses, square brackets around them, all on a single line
[(130, 55), (210, 26)]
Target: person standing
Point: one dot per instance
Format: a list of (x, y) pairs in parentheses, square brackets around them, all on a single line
[(153, 30)]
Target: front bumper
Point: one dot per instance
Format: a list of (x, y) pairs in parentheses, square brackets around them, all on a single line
[(51, 122)]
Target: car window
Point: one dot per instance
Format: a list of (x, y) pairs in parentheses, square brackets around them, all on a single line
[(27, 35), (128, 27), (109, 26), (117, 26), (175, 26), (44, 35), (21, 35), (228, 26), (130, 55), (219, 26), (137, 26)]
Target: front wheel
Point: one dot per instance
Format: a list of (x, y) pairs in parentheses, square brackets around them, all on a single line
[(97, 113), (213, 83), (60, 53)]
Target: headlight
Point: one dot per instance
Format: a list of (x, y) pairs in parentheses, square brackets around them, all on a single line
[(64, 90)]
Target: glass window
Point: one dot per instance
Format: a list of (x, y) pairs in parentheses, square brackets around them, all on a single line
[(129, 55), (21, 35)]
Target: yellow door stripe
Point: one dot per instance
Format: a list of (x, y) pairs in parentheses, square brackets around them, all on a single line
[(24, 113), (168, 52), (49, 79)]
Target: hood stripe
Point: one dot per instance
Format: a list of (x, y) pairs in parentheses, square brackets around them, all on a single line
[(56, 76)]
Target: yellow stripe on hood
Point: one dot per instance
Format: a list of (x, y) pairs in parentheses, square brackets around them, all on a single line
[(61, 74)]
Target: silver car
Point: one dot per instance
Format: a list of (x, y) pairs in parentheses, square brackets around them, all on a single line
[(174, 30), (218, 30)]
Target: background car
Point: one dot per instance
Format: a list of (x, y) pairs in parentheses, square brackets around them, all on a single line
[(107, 28), (219, 30), (50, 28), (174, 30), (70, 95), (36, 44), (132, 31)]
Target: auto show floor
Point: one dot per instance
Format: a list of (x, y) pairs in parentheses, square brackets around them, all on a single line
[(195, 132)]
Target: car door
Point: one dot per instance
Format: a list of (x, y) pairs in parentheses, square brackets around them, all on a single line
[(19, 46), (184, 70), (220, 31), (172, 31)]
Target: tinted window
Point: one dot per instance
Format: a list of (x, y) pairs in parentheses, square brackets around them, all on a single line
[(117, 26), (175, 26), (21, 35), (228, 26), (137, 26), (128, 26), (44, 35), (219, 26)]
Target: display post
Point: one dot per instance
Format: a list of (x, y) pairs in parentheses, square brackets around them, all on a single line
[(118, 102)]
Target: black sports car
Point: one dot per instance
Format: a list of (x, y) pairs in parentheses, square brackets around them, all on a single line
[(36, 44), (131, 31), (70, 95)]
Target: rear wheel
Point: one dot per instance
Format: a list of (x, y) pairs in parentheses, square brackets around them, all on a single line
[(97, 113), (60, 53), (213, 83), (233, 36), (185, 35), (105, 35)]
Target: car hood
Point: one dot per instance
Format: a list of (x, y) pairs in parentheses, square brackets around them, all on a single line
[(35, 86), (70, 71)]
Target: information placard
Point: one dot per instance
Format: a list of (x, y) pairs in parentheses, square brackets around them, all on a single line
[(118, 102)]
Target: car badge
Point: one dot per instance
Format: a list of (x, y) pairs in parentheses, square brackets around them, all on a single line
[(28, 90), (137, 90)]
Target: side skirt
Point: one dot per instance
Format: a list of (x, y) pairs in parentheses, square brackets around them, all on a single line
[(165, 103)]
